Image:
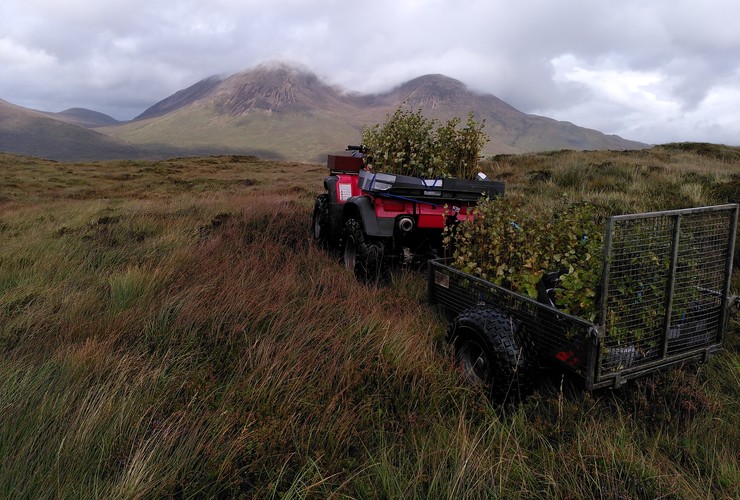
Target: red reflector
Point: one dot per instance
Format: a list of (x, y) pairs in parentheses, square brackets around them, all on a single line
[(568, 357), (393, 206)]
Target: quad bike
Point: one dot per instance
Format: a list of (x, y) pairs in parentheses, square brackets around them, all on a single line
[(377, 220)]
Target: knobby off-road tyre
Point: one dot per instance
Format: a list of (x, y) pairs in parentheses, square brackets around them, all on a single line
[(490, 349), (363, 256), (320, 221)]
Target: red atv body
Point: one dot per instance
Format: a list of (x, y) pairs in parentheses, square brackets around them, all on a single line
[(378, 219)]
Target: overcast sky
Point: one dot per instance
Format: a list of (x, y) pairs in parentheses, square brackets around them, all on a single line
[(649, 70)]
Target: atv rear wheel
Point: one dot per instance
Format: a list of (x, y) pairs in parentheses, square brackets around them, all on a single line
[(363, 256), (491, 353)]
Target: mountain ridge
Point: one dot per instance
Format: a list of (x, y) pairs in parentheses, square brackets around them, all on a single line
[(290, 113), (180, 98)]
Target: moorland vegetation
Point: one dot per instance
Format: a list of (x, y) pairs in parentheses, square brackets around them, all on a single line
[(168, 329)]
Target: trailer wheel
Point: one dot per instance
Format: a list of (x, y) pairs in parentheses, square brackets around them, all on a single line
[(363, 256), (490, 352), (320, 221)]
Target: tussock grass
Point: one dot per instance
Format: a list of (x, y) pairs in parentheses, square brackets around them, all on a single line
[(168, 329), (663, 177)]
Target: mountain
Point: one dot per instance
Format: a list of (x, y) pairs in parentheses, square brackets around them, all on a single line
[(288, 112), (34, 133), (274, 111), (510, 130)]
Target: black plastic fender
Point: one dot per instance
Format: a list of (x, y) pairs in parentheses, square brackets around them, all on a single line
[(361, 207), (330, 184)]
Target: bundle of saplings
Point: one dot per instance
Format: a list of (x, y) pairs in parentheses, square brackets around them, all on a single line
[(410, 144), (510, 244)]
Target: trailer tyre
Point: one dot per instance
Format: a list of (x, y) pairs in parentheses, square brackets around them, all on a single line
[(491, 353), (320, 221), (363, 256)]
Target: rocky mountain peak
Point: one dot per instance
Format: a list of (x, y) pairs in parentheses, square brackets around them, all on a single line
[(272, 87)]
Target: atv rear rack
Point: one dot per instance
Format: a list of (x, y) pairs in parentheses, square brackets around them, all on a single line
[(436, 191)]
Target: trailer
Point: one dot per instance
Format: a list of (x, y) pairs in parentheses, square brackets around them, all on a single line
[(664, 299)]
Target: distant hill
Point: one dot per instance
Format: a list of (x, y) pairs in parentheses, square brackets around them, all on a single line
[(281, 112), (293, 114), (34, 133), (85, 117)]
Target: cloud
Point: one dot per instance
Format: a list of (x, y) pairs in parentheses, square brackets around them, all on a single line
[(647, 104), (649, 70), (13, 54)]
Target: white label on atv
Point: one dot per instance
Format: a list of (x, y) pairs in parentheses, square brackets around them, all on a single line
[(345, 192)]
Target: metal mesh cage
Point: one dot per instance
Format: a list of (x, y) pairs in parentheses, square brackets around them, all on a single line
[(665, 285)]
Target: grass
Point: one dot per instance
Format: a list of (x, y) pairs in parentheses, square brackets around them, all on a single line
[(167, 329), (663, 177)]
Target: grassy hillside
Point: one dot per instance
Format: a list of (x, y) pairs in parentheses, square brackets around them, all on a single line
[(168, 329), (302, 135), (664, 177), (27, 132)]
